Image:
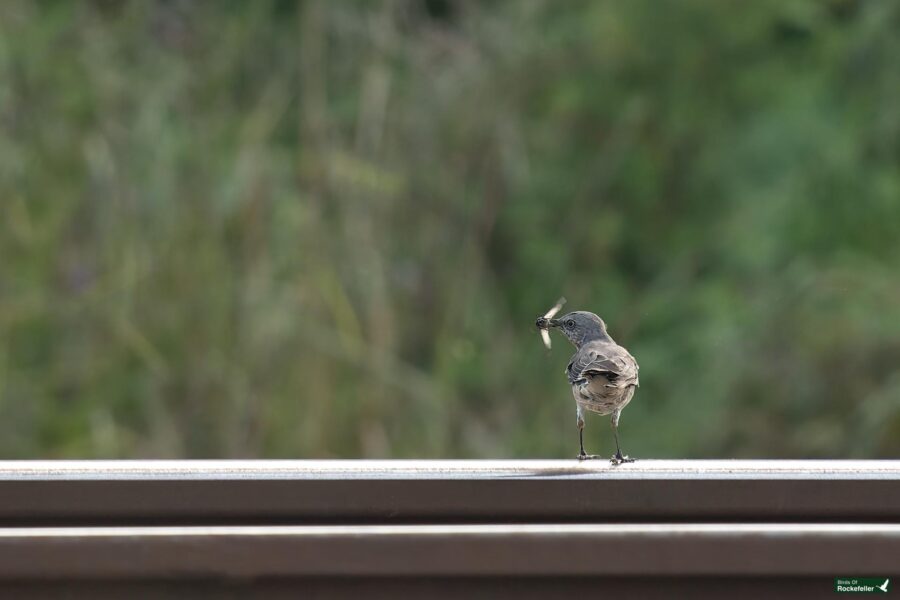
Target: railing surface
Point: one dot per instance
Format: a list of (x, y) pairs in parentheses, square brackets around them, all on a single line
[(445, 527)]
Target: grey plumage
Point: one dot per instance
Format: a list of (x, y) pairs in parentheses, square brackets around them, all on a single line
[(603, 375)]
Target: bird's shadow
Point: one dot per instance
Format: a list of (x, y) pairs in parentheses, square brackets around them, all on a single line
[(573, 471)]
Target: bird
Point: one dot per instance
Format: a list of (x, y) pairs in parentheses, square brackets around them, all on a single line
[(603, 375)]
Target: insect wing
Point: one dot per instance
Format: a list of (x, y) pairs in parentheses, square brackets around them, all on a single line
[(555, 309), (545, 335)]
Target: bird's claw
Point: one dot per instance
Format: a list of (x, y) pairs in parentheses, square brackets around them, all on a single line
[(618, 459), (584, 456)]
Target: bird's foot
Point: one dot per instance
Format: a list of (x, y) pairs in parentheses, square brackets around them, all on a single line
[(618, 459), (584, 456)]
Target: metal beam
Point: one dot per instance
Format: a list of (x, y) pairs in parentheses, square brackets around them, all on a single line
[(386, 492), (549, 550)]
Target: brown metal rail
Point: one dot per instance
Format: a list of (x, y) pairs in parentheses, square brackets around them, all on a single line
[(569, 550), (451, 528), (393, 492)]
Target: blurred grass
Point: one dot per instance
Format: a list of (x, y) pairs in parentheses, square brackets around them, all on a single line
[(324, 229)]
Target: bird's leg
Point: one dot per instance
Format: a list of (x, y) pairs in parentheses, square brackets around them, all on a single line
[(618, 459), (581, 454), (580, 422)]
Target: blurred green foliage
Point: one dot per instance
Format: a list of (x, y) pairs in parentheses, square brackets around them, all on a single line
[(324, 229)]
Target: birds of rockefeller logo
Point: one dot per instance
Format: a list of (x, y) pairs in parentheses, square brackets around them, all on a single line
[(862, 585)]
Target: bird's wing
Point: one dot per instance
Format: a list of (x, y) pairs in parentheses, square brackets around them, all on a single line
[(610, 360)]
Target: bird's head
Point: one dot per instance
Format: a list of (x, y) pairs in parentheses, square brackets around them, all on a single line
[(579, 326)]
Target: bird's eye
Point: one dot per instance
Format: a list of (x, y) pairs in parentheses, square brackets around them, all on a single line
[(570, 324)]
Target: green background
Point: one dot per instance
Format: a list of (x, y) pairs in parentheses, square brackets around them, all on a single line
[(325, 229)]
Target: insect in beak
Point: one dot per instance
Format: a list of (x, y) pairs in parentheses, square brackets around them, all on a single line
[(544, 323)]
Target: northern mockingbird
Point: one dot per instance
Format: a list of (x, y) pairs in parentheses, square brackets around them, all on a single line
[(603, 374)]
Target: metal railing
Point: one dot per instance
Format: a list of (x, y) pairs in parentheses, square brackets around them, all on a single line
[(445, 527)]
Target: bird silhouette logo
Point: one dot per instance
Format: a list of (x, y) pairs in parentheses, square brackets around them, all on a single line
[(884, 586)]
